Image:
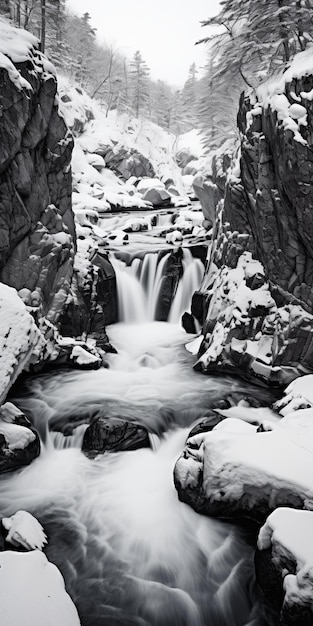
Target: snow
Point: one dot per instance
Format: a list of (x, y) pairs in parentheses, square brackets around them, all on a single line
[(298, 394), (272, 94), (80, 356), (19, 338), (96, 135), (237, 457), (16, 46), (24, 530), (16, 437), (288, 532), (32, 592)]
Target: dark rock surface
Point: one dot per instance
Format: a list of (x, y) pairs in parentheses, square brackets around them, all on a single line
[(172, 272), (114, 434), (37, 235)]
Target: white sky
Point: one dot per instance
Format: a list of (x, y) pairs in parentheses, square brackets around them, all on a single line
[(163, 30)]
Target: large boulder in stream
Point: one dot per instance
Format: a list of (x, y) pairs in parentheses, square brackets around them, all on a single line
[(19, 442), (243, 470), (114, 434)]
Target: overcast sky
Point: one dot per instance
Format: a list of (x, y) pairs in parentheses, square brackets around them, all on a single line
[(163, 30)]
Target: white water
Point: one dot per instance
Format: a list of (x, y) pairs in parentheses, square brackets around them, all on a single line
[(139, 286), (130, 552)]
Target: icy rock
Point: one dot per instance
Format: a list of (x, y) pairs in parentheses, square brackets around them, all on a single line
[(284, 564), (245, 471), (39, 598), (24, 530), (19, 442)]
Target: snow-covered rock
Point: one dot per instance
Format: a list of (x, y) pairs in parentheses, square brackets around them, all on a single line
[(174, 237), (21, 342), (19, 443), (241, 470), (284, 564), (32, 592), (24, 530), (245, 330)]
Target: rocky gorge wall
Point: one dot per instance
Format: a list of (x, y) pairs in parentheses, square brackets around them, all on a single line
[(258, 321)]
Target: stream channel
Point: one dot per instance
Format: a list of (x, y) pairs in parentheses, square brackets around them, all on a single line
[(130, 552)]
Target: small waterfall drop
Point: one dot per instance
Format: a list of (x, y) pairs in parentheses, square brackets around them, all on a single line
[(139, 284)]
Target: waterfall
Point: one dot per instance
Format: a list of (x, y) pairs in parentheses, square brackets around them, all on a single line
[(130, 552), (138, 286)]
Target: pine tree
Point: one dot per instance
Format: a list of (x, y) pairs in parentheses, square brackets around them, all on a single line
[(259, 35), (189, 100), (139, 84)]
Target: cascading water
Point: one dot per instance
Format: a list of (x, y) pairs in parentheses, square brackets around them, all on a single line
[(131, 554), (139, 285)]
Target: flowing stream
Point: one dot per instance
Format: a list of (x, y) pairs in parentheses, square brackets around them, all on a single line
[(131, 554)]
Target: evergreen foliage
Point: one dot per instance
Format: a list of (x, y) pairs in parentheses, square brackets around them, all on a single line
[(250, 40)]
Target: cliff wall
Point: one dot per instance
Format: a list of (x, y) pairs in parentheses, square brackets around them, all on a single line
[(259, 316)]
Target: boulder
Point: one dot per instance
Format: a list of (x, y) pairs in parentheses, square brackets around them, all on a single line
[(284, 564), (114, 434), (243, 470), (19, 442)]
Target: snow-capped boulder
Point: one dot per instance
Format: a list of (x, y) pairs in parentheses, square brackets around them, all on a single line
[(174, 237), (284, 564), (158, 196), (19, 442), (24, 531), (32, 592), (83, 359), (241, 470)]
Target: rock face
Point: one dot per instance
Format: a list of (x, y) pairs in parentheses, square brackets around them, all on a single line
[(37, 241), (267, 212), (114, 434)]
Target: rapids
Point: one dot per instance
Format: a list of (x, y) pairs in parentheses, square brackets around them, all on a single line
[(130, 552)]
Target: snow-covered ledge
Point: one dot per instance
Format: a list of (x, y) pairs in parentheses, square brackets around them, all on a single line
[(20, 339)]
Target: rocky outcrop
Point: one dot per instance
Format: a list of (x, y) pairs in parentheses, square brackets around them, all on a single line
[(266, 213), (114, 434), (37, 241)]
